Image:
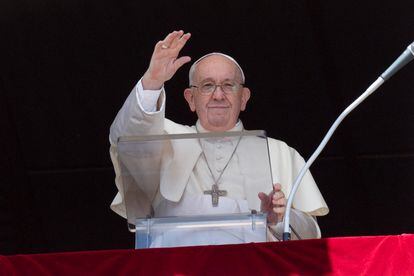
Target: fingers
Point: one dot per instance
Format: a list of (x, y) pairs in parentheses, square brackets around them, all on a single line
[(179, 43), (265, 202), (174, 41), (280, 203), (265, 199), (181, 61), (280, 212), (169, 39), (278, 200), (279, 207), (262, 196), (273, 203), (277, 193), (277, 196), (177, 38), (277, 187)]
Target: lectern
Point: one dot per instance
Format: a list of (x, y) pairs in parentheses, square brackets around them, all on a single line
[(195, 188)]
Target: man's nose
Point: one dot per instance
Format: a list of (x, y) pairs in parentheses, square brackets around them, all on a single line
[(218, 94)]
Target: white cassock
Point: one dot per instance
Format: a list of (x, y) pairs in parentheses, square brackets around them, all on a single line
[(186, 174)]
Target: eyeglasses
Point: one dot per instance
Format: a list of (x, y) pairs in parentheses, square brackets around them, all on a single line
[(210, 87)]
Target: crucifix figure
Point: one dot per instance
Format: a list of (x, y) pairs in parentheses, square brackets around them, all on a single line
[(215, 194)]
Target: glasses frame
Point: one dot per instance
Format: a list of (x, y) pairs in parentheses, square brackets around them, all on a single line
[(199, 88)]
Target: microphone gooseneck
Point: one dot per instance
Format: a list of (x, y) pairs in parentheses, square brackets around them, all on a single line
[(400, 62)]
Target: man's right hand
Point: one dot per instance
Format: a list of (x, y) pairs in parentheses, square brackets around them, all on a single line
[(164, 61)]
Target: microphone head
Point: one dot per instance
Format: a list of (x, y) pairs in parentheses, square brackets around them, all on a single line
[(402, 60), (411, 48)]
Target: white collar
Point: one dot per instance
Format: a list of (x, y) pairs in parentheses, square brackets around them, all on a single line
[(237, 127)]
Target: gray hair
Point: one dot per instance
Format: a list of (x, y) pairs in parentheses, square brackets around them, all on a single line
[(193, 67)]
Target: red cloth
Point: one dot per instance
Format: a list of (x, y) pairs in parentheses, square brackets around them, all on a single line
[(378, 255)]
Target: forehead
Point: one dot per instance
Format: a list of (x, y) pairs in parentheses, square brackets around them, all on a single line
[(217, 68)]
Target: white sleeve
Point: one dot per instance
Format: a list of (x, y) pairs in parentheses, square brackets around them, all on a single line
[(133, 120), (147, 99), (303, 226), (142, 113)]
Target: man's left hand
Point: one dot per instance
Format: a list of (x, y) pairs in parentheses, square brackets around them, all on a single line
[(274, 204)]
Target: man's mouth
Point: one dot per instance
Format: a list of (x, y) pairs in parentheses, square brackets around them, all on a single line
[(218, 106)]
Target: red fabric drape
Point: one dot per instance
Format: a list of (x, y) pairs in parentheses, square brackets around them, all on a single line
[(378, 255)]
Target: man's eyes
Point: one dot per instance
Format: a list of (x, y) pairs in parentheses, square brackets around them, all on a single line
[(208, 85), (228, 84)]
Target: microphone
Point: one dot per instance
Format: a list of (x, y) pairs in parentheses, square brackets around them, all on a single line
[(399, 63)]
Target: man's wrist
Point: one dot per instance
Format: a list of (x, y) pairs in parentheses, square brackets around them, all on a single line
[(151, 84)]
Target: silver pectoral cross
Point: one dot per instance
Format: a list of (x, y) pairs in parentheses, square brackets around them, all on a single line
[(215, 194)]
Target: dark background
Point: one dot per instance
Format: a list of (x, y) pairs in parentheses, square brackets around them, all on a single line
[(67, 66)]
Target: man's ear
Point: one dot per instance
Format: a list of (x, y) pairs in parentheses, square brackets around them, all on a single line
[(245, 98), (189, 97)]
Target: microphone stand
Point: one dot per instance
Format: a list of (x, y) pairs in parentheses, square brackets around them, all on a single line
[(402, 60)]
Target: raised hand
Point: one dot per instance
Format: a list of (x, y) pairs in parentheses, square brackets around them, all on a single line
[(164, 61)]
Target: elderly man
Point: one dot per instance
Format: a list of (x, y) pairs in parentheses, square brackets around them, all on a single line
[(217, 94)]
